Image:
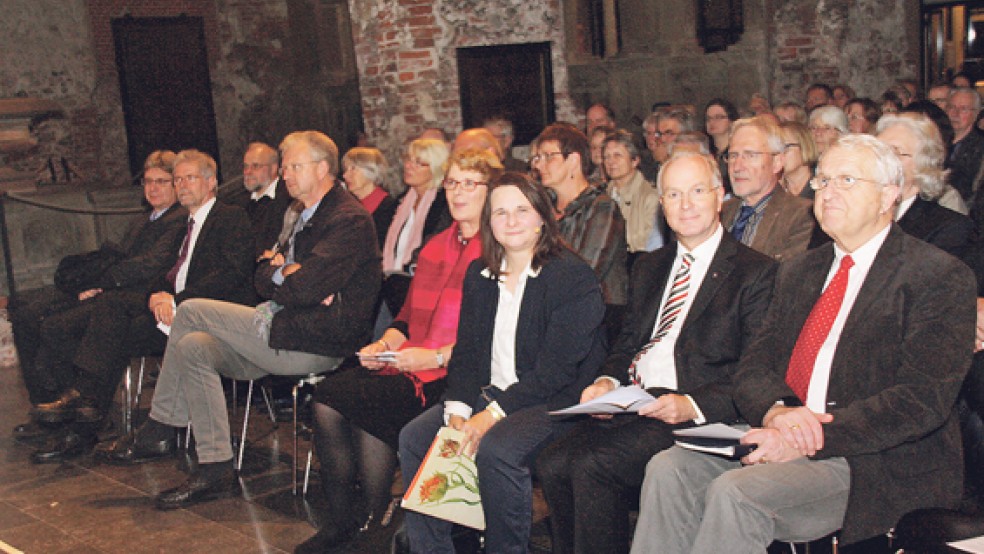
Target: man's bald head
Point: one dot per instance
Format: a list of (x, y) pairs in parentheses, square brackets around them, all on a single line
[(478, 138)]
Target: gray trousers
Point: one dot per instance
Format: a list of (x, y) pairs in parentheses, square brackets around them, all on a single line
[(701, 503), (210, 338)]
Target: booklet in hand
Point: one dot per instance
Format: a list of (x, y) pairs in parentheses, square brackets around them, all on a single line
[(716, 438), (386, 357), (623, 400)]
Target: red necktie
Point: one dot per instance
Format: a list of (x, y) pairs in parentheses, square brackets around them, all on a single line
[(815, 331)]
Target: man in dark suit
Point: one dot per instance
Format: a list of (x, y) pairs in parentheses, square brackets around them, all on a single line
[(149, 247), (322, 285), (214, 261), (851, 385), (268, 196), (967, 150), (916, 141), (717, 290), (763, 215)]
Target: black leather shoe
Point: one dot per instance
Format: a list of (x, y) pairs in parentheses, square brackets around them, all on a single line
[(129, 450), (31, 432), (59, 411), (197, 489), (69, 446)]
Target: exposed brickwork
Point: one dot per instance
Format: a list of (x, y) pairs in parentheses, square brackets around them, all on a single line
[(407, 66)]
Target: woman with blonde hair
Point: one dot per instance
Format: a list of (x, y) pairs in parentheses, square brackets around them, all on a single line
[(799, 158)]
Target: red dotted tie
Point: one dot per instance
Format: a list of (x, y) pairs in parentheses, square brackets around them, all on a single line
[(815, 331)]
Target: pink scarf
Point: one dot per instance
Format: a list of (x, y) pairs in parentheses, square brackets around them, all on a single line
[(390, 263)]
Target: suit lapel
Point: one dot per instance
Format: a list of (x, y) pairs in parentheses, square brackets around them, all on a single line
[(764, 236), (806, 287), (717, 272)]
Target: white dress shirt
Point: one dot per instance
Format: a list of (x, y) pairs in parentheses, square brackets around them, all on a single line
[(199, 216), (864, 256)]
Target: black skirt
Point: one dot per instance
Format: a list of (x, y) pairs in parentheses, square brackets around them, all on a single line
[(378, 404)]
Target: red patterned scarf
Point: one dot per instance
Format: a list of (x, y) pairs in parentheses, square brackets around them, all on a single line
[(434, 299)]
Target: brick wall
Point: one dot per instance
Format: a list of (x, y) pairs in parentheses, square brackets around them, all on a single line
[(406, 57)]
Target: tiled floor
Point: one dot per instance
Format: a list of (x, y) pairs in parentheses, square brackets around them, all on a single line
[(86, 507)]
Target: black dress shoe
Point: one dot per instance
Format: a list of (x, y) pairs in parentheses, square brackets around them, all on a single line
[(130, 449), (31, 432), (59, 411), (199, 489), (68, 446)]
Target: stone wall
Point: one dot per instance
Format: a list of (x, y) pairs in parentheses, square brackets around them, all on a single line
[(407, 65), (55, 61)]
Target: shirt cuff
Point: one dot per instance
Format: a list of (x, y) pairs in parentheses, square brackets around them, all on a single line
[(700, 419), (454, 407), (615, 382), (278, 276)]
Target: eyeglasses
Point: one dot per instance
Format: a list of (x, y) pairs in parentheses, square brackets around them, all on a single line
[(789, 145), (254, 167), (295, 167), (669, 133), (693, 194), (748, 156), (187, 178), (544, 157), (963, 109), (840, 182), (466, 185), (822, 128), (856, 116), (159, 182)]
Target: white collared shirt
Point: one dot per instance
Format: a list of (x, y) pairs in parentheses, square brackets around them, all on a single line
[(270, 191), (503, 340), (864, 256), (658, 367), (904, 206), (199, 216)]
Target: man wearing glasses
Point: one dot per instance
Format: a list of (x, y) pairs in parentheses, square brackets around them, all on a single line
[(213, 260), (321, 281), (850, 385), (268, 196), (763, 215), (696, 305), (968, 143)]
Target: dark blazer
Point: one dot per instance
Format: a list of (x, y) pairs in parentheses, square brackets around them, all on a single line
[(266, 217), (726, 312), (964, 163), (559, 337), (899, 364), (222, 261), (338, 255), (383, 216), (151, 249), (786, 226), (939, 226)]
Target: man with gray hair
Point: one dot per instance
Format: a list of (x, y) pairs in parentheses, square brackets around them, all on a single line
[(851, 393), (968, 143), (321, 282), (763, 215), (916, 141), (668, 127), (502, 129)]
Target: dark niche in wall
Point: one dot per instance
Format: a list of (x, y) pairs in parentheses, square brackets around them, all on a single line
[(513, 81), (719, 24)]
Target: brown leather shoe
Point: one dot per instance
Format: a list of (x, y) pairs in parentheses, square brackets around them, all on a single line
[(59, 411)]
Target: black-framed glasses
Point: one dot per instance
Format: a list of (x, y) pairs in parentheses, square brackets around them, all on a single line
[(544, 157), (466, 185)]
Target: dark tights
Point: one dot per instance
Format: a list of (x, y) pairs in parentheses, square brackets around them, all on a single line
[(347, 454)]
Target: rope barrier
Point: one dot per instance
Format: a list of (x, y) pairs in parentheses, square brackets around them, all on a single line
[(93, 211)]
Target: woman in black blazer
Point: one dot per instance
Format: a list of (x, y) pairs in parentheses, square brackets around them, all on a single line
[(529, 340)]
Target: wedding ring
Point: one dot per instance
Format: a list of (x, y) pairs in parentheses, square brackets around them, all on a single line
[(794, 426)]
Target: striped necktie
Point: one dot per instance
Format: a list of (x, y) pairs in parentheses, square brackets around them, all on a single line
[(671, 311)]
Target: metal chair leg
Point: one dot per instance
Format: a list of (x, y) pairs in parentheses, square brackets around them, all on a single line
[(293, 462), (307, 472), (269, 405), (126, 401), (242, 438)]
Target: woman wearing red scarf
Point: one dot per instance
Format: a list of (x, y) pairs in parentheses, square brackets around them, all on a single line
[(360, 410)]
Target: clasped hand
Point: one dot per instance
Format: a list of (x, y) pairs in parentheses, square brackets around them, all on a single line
[(789, 433), (162, 306)]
